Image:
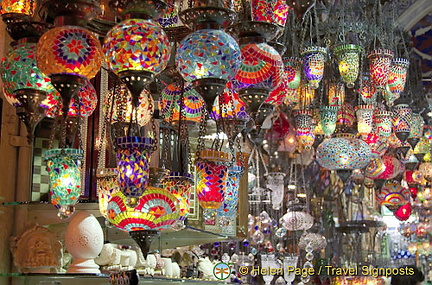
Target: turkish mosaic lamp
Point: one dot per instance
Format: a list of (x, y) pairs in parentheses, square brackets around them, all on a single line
[(348, 57), (379, 67), (314, 59), (228, 209)]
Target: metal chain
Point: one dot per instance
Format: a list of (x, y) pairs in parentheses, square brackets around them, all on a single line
[(201, 134), (104, 101), (153, 124)]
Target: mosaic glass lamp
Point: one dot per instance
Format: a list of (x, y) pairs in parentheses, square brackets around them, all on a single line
[(228, 209), (107, 186), (192, 107), (274, 11), (212, 174), (209, 59), (13, 10), (133, 155), (365, 122), (393, 196), (292, 70), (137, 50), (69, 55), (180, 185), (328, 117), (379, 67), (348, 57), (64, 168), (385, 167), (155, 210), (397, 76), (383, 123), (402, 119), (377, 144), (416, 130), (305, 126), (314, 58), (367, 90)]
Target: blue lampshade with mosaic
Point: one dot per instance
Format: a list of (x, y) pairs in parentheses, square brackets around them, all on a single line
[(206, 57), (228, 209), (314, 59), (64, 168), (133, 155)]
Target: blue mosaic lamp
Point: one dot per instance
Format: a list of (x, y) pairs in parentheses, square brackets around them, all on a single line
[(228, 209)]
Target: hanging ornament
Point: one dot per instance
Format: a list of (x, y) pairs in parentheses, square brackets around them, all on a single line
[(404, 212), (383, 123), (314, 58), (416, 130), (64, 168), (393, 196), (397, 76), (365, 119), (348, 57), (292, 70), (305, 125), (367, 90), (377, 144), (385, 167), (107, 186), (379, 67), (328, 117), (402, 119), (296, 220), (228, 209), (275, 183)]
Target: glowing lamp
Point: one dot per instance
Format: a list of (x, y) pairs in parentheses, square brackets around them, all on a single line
[(367, 90), (397, 76), (228, 209), (133, 155), (346, 115), (404, 212), (348, 57), (314, 58), (64, 168), (365, 119), (328, 117), (17, 8), (377, 144), (208, 57), (425, 169), (107, 186), (383, 123), (393, 196), (212, 174), (336, 94), (274, 11), (229, 105), (180, 185), (171, 105), (305, 126), (345, 152), (379, 67), (416, 131)]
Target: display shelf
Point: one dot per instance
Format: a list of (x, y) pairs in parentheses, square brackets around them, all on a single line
[(87, 279)]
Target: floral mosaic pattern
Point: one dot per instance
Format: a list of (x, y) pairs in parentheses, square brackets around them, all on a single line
[(379, 67)]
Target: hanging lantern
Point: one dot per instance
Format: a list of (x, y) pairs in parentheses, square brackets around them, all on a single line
[(133, 166), (385, 167), (314, 58), (170, 17), (402, 119), (155, 210), (346, 115), (180, 185), (365, 119), (107, 186), (64, 168), (296, 220), (421, 149), (336, 94), (305, 96), (278, 95), (292, 70), (228, 105), (118, 106), (228, 209), (212, 173), (367, 90), (393, 196), (305, 125), (192, 106), (383, 123), (416, 130), (377, 144), (13, 10), (404, 212), (349, 61), (343, 153), (328, 117), (273, 11), (379, 66), (397, 76), (275, 183), (208, 57)]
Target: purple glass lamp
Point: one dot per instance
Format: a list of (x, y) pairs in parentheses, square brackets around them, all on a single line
[(314, 58)]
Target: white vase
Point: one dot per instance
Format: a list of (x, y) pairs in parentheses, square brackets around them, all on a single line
[(84, 241)]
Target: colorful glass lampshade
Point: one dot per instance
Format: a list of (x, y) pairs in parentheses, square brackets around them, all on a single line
[(346, 115), (365, 121), (305, 95), (385, 167), (379, 67), (229, 105), (279, 94), (170, 17), (425, 169), (137, 45), (348, 57), (404, 212), (275, 183), (69, 50), (416, 130), (402, 119), (64, 168), (155, 210), (193, 106), (292, 70), (335, 94), (367, 90), (261, 67), (383, 123), (212, 174), (305, 125), (107, 186), (118, 106), (273, 11), (83, 104), (296, 220), (314, 58), (328, 117), (393, 196), (345, 152), (208, 57), (377, 144), (20, 7), (180, 185), (228, 209), (397, 76), (133, 155)]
